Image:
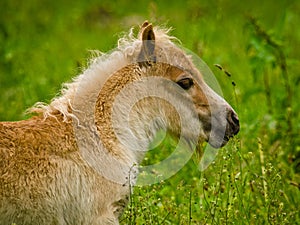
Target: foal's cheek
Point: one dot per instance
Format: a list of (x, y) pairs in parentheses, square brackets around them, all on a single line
[(199, 99)]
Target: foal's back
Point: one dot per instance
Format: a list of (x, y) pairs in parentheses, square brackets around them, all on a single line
[(28, 150), (43, 179)]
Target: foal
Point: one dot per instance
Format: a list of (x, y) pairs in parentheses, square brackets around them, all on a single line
[(70, 164)]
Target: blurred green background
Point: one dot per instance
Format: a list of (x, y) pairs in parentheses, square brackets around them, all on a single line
[(46, 43)]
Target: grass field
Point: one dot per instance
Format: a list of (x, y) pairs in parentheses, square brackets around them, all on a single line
[(255, 179)]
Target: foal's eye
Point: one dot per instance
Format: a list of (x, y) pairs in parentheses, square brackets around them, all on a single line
[(185, 83)]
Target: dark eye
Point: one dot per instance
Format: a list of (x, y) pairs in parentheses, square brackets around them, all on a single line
[(185, 83)]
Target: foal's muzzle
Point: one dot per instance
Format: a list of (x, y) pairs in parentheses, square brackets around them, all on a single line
[(220, 135)]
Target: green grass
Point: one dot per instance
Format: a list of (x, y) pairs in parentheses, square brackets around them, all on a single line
[(255, 178)]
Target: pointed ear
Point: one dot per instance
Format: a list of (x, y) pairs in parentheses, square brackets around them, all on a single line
[(147, 54)]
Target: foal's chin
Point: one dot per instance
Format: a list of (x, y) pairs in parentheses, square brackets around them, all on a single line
[(217, 141)]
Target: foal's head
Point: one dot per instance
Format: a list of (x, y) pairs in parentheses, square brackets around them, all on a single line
[(217, 120)]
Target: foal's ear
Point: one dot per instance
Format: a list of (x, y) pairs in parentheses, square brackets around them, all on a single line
[(147, 55)]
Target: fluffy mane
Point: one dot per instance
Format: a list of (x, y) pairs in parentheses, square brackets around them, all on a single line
[(101, 66)]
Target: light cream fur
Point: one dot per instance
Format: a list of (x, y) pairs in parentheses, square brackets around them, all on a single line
[(71, 164)]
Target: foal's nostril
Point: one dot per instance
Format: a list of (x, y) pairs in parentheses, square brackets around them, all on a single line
[(234, 122), (235, 119)]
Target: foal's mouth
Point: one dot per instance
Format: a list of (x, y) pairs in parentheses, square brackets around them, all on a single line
[(219, 137), (218, 133)]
